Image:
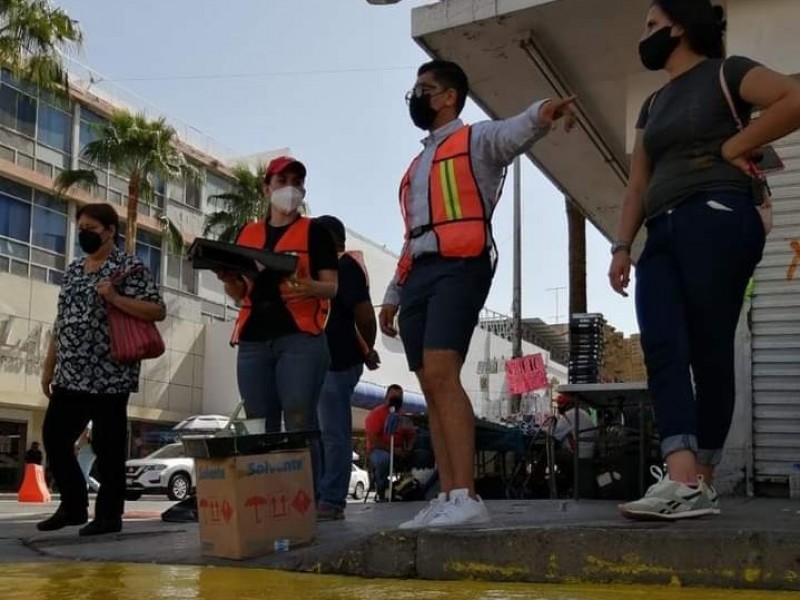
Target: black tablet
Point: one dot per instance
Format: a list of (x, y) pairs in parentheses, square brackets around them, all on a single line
[(221, 256)]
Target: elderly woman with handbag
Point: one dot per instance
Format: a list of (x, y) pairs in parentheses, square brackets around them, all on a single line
[(107, 309)]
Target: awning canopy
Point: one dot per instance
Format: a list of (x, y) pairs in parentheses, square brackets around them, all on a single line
[(515, 52), (369, 395)]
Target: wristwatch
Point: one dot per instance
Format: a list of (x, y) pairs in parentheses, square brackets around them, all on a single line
[(620, 246)]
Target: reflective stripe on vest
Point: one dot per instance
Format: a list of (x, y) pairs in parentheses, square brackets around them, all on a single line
[(456, 210), (309, 314)]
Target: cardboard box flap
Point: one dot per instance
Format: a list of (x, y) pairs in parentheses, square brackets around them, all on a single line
[(242, 445)]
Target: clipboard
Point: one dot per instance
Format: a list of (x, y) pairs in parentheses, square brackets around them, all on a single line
[(221, 256)]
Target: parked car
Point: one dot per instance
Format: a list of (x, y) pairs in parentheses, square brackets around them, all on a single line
[(166, 471), (359, 482)]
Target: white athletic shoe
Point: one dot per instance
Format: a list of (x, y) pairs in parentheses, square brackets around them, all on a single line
[(461, 510), (668, 500), (426, 514)]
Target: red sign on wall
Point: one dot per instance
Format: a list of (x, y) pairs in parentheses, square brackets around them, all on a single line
[(526, 374)]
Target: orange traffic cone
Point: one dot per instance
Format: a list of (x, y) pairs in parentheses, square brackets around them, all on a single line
[(34, 488)]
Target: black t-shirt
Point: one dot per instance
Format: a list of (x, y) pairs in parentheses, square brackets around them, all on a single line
[(341, 330), (685, 124), (269, 317)]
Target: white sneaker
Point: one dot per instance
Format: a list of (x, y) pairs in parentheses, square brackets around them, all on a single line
[(426, 514), (461, 510)]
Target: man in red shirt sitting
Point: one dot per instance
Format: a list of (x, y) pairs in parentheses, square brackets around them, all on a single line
[(382, 423)]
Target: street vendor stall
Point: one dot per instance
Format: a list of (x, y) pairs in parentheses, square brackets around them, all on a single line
[(631, 407)]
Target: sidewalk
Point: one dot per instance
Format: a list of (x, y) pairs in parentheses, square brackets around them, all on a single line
[(755, 544)]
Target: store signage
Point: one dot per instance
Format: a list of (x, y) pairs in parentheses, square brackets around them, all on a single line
[(526, 374)]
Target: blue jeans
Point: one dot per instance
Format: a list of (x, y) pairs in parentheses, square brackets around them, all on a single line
[(690, 286), (282, 378), (336, 426), (379, 459), (86, 458)]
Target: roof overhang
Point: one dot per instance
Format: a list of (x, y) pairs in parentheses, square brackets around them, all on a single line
[(516, 51)]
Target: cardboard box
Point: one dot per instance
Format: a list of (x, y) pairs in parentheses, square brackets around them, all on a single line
[(246, 503)]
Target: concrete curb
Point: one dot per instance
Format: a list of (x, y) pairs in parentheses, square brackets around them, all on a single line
[(736, 559), (756, 546)]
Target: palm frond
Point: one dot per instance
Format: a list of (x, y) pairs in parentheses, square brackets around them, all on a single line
[(216, 221), (244, 203), (70, 178), (229, 234), (33, 37)]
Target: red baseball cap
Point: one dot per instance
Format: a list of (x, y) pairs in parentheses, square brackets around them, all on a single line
[(563, 399), (280, 164)]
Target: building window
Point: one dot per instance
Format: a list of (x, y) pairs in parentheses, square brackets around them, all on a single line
[(194, 193), (159, 191), (55, 128), (216, 185), (90, 127), (49, 231), (17, 111), (148, 248), (36, 127), (15, 218), (180, 274), (188, 191), (33, 233)]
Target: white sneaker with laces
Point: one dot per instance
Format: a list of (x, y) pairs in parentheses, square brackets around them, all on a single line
[(461, 510), (426, 514), (669, 500)]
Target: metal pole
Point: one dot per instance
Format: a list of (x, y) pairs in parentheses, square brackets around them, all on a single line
[(516, 305), (392, 431)]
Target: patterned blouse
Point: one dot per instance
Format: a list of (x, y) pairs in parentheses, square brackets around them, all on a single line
[(83, 350)]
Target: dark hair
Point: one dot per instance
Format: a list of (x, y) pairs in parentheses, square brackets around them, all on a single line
[(450, 76), (103, 213), (703, 23), (335, 227), (394, 386)]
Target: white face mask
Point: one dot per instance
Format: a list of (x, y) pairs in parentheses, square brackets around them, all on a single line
[(287, 199)]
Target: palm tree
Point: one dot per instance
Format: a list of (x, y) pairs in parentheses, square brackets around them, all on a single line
[(139, 149), (242, 205), (576, 227), (33, 35)]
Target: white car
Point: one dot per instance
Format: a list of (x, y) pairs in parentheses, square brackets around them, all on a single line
[(166, 471), (359, 483)]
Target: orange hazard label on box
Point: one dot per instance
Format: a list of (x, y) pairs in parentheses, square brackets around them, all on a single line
[(301, 502)]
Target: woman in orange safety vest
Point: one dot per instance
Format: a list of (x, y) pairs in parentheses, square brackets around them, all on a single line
[(280, 332)]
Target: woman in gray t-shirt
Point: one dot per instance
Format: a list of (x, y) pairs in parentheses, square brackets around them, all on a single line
[(692, 186)]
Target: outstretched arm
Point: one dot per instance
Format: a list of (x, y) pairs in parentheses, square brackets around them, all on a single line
[(503, 140)]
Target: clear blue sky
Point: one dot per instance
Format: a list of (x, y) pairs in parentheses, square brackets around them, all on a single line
[(350, 126)]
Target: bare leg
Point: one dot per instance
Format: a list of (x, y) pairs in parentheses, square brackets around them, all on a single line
[(436, 425), (682, 466), (707, 471), (454, 418)]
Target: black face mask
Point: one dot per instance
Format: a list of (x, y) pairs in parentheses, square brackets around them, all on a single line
[(419, 107), (396, 403), (90, 241), (656, 50)]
